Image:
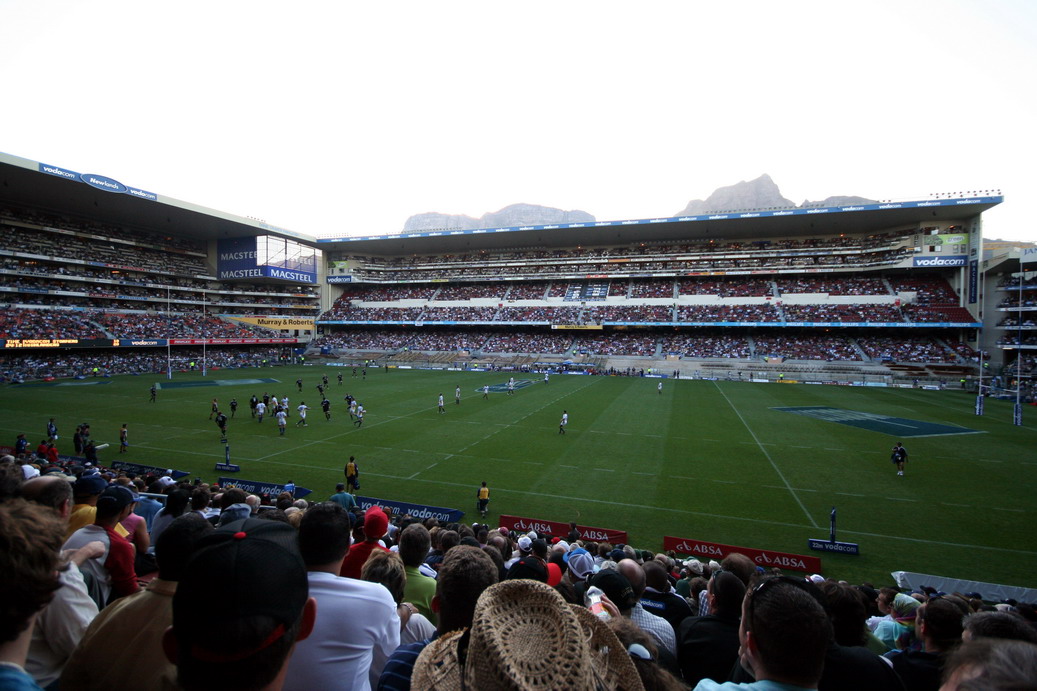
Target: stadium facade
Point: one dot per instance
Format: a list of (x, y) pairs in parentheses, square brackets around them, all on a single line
[(889, 289)]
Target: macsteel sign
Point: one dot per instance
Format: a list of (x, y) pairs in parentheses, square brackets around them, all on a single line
[(762, 557), (239, 258), (288, 274), (236, 258), (554, 528)]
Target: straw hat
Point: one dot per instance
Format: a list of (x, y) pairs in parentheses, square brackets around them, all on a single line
[(524, 636)]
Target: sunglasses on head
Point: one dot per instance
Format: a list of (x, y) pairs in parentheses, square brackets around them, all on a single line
[(771, 583)]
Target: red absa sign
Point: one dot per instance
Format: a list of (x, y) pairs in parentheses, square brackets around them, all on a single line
[(761, 557), (554, 528)]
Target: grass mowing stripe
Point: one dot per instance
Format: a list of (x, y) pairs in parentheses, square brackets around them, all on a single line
[(703, 514), (769, 459), (900, 392), (621, 424)]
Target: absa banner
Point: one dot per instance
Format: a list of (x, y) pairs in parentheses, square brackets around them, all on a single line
[(556, 529), (761, 557)]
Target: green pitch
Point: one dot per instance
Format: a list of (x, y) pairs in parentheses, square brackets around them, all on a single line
[(707, 460)]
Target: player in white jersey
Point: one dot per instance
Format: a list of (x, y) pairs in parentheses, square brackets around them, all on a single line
[(302, 414), (260, 410), (441, 408), (564, 421), (282, 419), (457, 395)]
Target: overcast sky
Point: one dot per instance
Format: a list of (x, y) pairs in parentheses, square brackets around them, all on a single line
[(347, 117)]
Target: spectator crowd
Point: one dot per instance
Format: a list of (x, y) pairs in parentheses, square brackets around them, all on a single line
[(116, 580)]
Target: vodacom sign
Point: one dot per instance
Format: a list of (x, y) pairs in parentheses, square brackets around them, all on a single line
[(762, 557)]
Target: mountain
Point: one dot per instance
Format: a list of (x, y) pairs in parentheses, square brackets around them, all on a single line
[(837, 201), (757, 194), (514, 215), (435, 221)]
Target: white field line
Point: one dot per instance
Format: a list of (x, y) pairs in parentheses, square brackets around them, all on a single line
[(768, 456)]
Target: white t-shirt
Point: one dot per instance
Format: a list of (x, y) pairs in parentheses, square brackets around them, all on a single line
[(440, 400), (59, 627), (565, 419), (302, 410), (418, 628), (261, 408), (95, 567), (338, 656), (281, 417)]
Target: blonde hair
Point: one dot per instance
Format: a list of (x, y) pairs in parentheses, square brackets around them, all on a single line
[(385, 568)]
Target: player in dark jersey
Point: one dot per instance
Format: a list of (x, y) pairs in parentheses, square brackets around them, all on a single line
[(221, 422), (899, 457)]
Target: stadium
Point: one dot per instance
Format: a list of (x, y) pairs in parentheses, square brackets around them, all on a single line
[(733, 381)]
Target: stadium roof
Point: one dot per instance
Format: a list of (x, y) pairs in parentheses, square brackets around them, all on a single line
[(95, 197), (754, 224), (66, 192)]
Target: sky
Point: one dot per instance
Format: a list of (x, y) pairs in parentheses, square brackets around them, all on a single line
[(348, 117)]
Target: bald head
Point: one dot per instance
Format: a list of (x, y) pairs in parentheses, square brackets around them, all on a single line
[(633, 572), (50, 491)]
